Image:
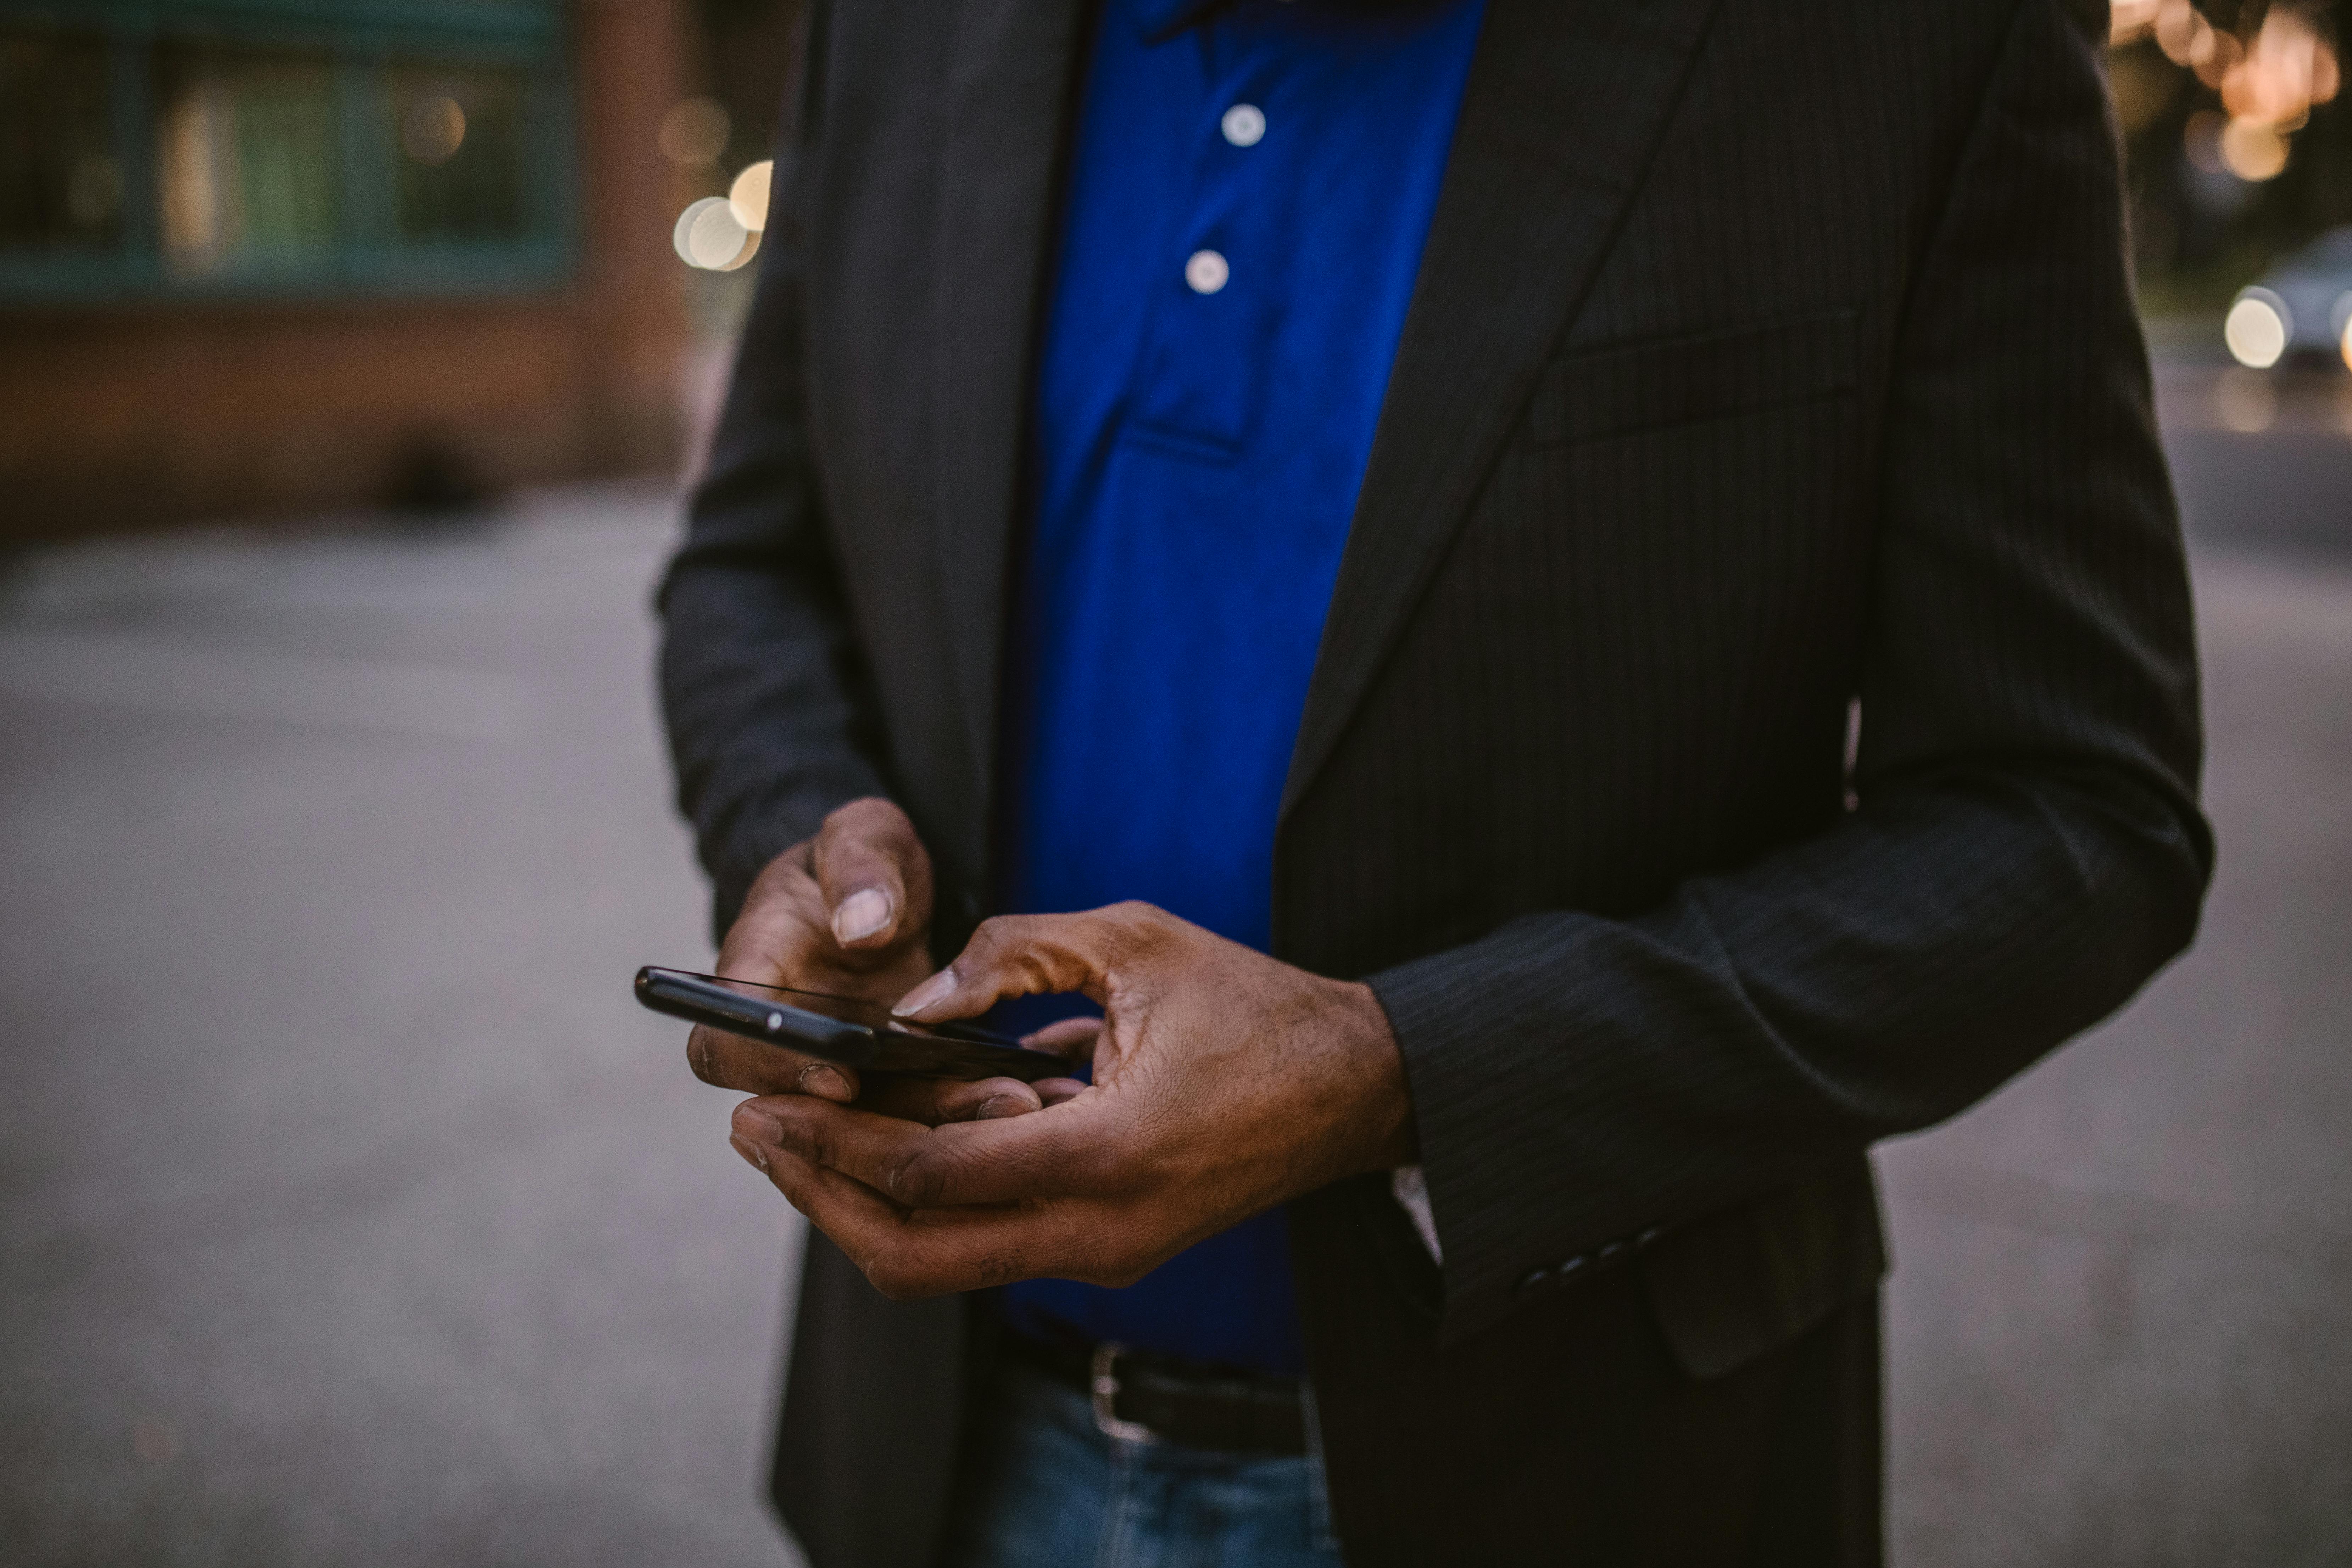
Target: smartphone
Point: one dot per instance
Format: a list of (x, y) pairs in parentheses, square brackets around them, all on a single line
[(861, 1034)]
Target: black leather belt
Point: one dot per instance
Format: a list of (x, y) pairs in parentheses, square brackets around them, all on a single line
[(1151, 1399)]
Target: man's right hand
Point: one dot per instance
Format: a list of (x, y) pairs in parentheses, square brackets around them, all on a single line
[(848, 912)]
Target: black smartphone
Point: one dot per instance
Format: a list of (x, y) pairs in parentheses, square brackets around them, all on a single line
[(861, 1034)]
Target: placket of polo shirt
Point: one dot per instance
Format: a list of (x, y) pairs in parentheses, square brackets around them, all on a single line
[(1202, 382)]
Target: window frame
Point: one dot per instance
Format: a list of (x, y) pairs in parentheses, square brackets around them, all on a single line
[(365, 42)]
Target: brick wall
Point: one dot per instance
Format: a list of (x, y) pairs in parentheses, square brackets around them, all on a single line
[(124, 416)]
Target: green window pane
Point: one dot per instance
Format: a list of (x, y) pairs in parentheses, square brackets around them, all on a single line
[(60, 183), (459, 140), (246, 161)]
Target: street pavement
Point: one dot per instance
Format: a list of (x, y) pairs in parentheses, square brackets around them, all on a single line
[(2120, 1323), (351, 1214)]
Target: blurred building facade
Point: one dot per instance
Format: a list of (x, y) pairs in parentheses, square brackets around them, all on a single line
[(261, 254)]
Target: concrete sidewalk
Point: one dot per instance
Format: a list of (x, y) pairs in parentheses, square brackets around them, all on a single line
[(351, 1214), (2121, 1315)]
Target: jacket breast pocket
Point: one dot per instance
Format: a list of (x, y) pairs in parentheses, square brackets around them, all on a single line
[(1659, 382)]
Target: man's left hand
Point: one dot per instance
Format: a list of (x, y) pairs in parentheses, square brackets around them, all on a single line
[(1226, 1082)]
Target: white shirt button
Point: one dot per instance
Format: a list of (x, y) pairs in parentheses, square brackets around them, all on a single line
[(1207, 271), (1244, 124)]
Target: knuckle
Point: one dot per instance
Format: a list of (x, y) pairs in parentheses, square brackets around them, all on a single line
[(1103, 1270), (1118, 1266), (778, 874), (1140, 922), (1000, 1265), (995, 936), (697, 1056), (813, 1143), (867, 820), (1132, 929), (785, 1178)]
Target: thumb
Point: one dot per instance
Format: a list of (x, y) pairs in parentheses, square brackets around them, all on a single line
[(873, 873)]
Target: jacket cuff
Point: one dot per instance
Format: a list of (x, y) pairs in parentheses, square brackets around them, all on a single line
[(1499, 1103)]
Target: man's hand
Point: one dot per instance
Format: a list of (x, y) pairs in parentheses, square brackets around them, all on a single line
[(848, 912), (1224, 1083)]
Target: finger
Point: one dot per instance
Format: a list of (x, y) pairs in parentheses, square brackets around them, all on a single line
[(985, 1100), (931, 1100), (907, 1256), (861, 1144), (1069, 1150), (1054, 1091), (1072, 1037), (756, 1067), (874, 874), (771, 935), (850, 1210), (1030, 955)]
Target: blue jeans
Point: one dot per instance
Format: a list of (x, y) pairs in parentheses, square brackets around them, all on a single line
[(1044, 1488)]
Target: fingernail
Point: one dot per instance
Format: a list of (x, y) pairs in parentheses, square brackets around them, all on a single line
[(928, 994), (822, 1081), (750, 1151), (999, 1105), (861, 914), (758, 1125)]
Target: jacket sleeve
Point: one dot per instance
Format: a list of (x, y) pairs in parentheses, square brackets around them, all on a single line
[(770, 717), (2027, 848)]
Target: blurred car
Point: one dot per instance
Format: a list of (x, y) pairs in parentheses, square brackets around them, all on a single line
[(2301, 310)]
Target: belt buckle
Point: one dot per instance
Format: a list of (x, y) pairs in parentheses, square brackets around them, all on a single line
[(1103, 1389)]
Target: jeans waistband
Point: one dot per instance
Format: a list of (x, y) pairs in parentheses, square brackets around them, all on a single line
[(1148, 1398)]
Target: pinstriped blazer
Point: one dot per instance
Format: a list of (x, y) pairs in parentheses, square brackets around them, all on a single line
[(1769, 362)]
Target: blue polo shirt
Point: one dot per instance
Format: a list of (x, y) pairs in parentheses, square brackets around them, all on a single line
[(1250, 191)]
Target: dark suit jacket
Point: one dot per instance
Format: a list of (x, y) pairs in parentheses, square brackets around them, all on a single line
[(1767, 359)]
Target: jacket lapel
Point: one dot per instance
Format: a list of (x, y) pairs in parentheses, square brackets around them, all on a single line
[(1565, 101), (1010, 84)]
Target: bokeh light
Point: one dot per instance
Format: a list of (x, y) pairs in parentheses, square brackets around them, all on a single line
[(710, 237), (2268, 81), (2277, 78), (433, 130), (2257, 328), (749, 194), (2129, 19), (2252, 150)]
